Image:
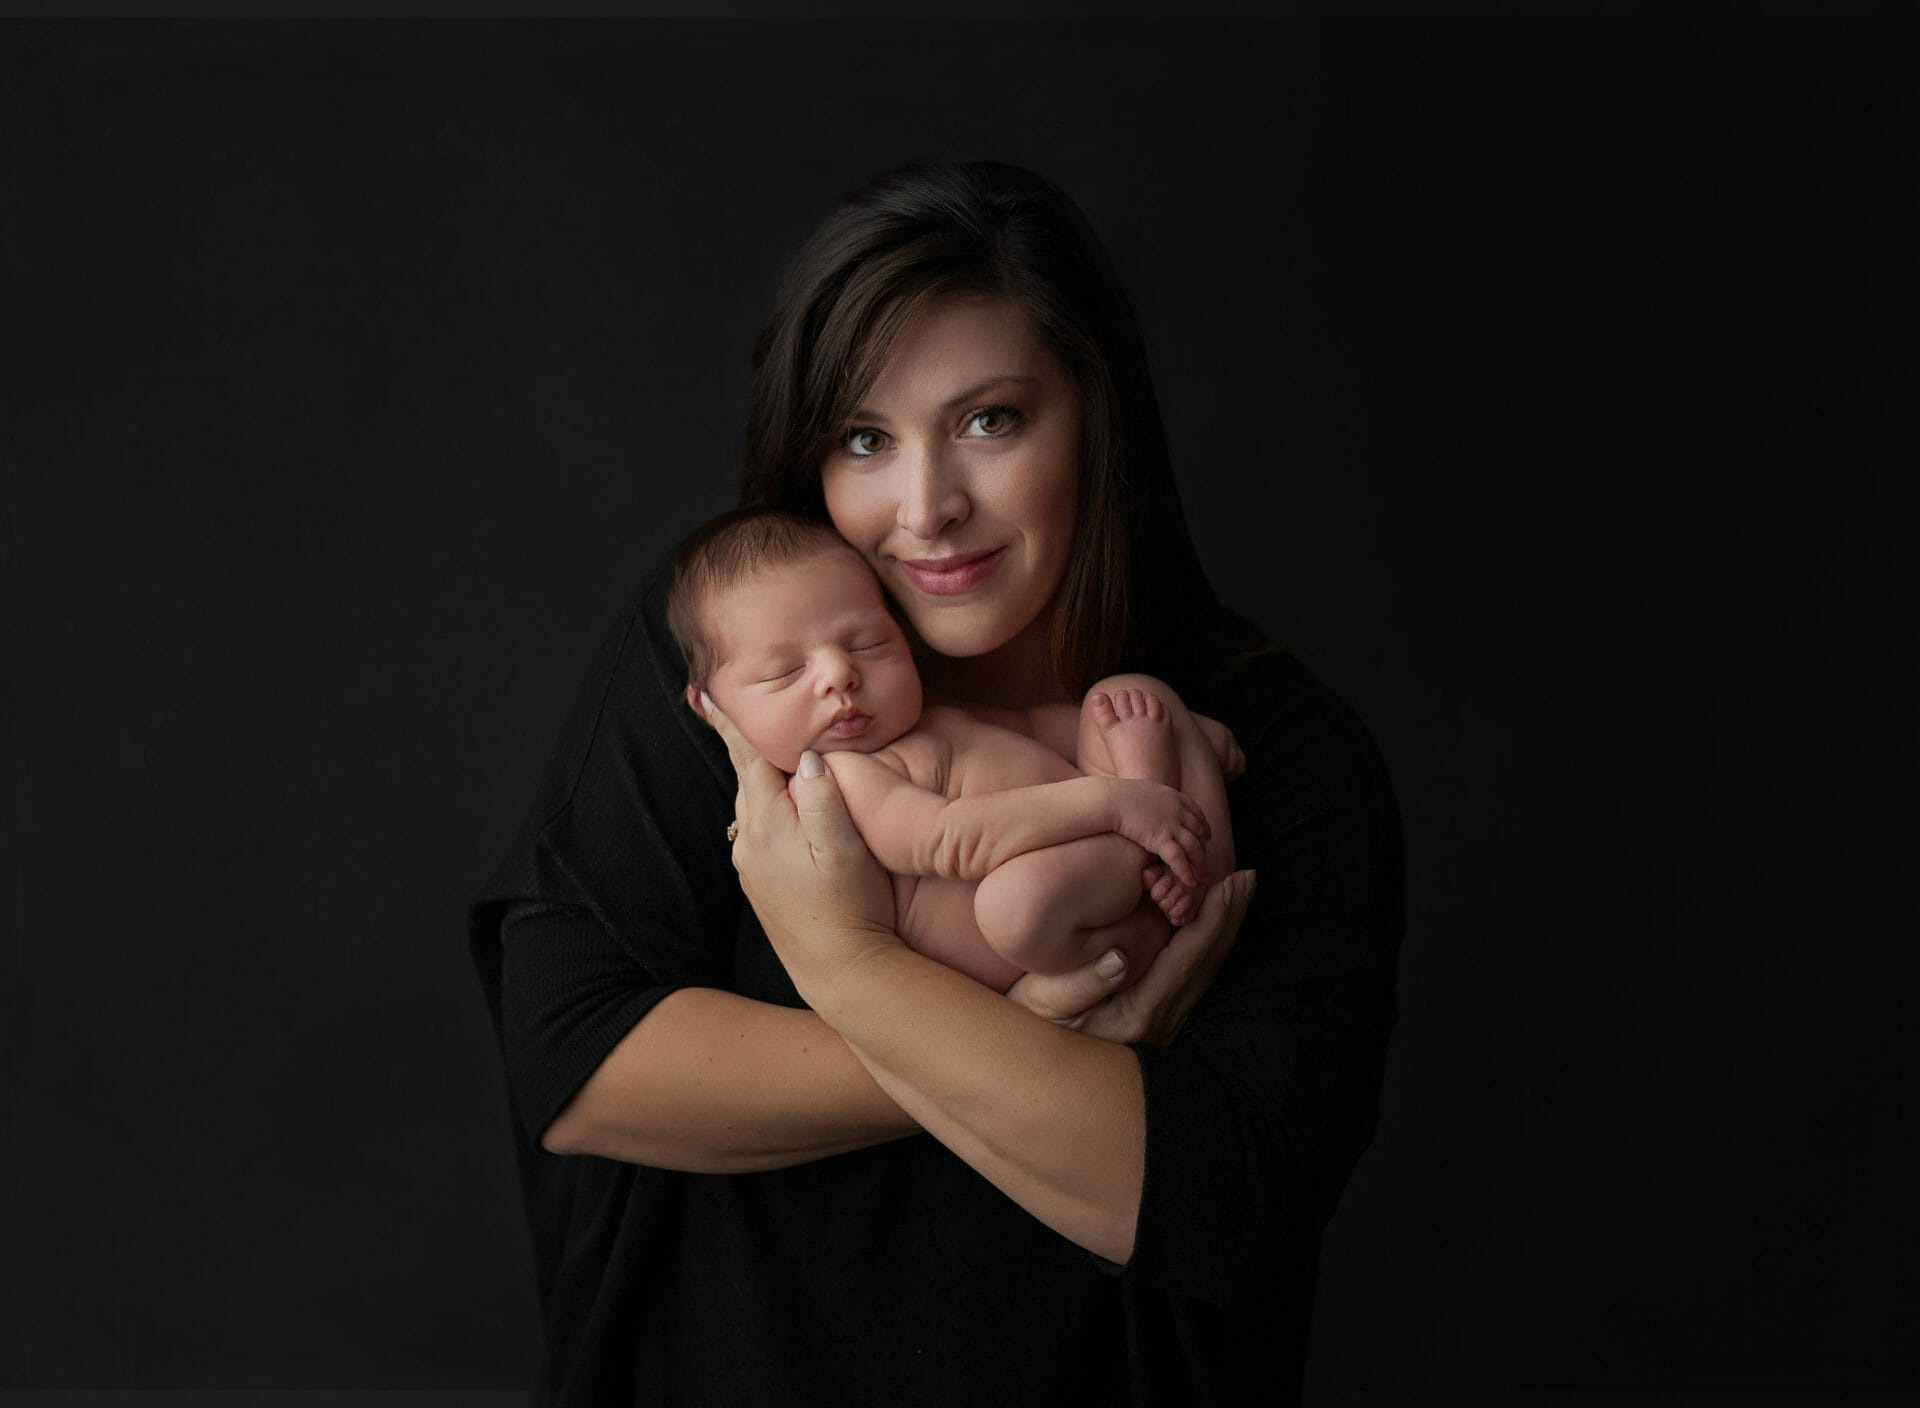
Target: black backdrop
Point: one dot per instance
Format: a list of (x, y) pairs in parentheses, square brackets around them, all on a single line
[(1540, 386)]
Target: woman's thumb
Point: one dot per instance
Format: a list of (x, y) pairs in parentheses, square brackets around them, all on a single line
[(823, 814)]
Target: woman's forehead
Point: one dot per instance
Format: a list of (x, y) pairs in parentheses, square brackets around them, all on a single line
[(957, 345)]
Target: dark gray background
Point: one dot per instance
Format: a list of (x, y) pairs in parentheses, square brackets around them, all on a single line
[(1548, 389)]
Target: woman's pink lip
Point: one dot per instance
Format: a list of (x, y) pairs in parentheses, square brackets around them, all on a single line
[(951, 576)]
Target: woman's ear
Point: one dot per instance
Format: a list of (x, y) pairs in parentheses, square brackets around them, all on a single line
[(694, 694)]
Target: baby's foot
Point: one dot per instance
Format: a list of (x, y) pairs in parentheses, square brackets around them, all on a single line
[(1138, 733), (1178, 900)]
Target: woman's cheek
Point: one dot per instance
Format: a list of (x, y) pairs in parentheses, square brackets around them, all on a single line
[(857, 506)]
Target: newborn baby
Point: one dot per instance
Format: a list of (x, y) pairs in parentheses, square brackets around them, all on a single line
[(1005, 857)]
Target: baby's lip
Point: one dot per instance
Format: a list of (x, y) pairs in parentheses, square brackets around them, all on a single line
[(850, 723)]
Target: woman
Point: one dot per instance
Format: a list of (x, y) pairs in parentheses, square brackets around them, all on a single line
[(733, 1195)]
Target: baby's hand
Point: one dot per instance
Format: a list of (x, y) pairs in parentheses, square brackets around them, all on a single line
[(1164, 822)]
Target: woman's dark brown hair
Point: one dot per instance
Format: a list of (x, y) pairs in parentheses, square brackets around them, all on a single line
[(931, 228)]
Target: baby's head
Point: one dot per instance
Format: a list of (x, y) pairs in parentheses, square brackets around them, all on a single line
[(786, 627)]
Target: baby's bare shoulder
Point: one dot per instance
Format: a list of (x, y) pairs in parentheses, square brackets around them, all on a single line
[(984, 756), (920, 756)]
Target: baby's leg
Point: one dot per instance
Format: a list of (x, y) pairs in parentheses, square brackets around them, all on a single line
[(1059, 908), (1136, 726), (1054, 909)]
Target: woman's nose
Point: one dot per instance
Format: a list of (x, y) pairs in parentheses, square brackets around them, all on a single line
[(932, 497)]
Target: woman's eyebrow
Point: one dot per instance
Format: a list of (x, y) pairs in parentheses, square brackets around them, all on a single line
[(977, 389)]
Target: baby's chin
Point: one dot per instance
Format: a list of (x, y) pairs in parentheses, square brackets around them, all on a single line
[(872, 741)]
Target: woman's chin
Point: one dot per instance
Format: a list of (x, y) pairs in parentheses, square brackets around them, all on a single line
[(973, 635), (962, 640)]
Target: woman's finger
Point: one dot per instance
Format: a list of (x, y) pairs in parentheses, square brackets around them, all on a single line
[(823, 812), (1155, 1008), (838, 849), (1062, 997), (1185, 969)]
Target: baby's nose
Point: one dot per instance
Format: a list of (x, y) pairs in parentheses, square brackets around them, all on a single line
[(837, 674)]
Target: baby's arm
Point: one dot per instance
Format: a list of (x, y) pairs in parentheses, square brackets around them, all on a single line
[(913, 831)]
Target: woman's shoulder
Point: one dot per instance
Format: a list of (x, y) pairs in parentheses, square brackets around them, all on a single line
[(632, 690), (628, 735), (1287, 718)]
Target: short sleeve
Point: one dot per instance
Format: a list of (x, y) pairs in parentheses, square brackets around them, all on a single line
[(618, 889)]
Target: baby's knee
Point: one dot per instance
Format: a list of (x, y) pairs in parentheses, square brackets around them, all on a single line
[(1012, 914)]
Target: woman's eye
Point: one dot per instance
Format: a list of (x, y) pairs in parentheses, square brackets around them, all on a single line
[(863, 443), (994, 420)]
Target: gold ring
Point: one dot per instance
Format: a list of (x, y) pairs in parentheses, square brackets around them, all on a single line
[(733, 831)]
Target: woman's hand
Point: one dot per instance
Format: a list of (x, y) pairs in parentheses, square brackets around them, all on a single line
[(821, 896), (1155, 1007), (1225, 746)]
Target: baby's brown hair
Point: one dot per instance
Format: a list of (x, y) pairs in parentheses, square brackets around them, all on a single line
[(726, 551)]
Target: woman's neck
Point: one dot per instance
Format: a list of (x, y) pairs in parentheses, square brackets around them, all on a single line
[(1016, 676)]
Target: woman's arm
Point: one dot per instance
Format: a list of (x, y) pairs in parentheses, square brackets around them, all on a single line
[(710, 1082), (1053, 1117)]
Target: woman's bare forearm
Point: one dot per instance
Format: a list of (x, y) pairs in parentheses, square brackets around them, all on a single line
[(1054, 1119), (711, 1082)]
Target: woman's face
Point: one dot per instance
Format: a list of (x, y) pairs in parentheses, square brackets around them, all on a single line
[(958, 477)]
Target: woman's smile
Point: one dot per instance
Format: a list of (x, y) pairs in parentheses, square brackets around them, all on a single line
[(951, 576)]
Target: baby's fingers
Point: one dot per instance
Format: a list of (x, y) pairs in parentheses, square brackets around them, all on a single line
[(1185, 855), (1197, 818)]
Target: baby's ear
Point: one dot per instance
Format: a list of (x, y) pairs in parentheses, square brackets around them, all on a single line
[(693, 703)]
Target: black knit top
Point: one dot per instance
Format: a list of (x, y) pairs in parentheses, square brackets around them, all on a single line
[(896, 1274)]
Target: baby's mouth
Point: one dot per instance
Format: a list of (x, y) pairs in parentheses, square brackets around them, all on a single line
[(849, 723)]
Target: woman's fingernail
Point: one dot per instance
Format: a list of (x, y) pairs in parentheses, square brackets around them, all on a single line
[(706, 701), (1111, 965), (810, 764), (1253, 882)]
